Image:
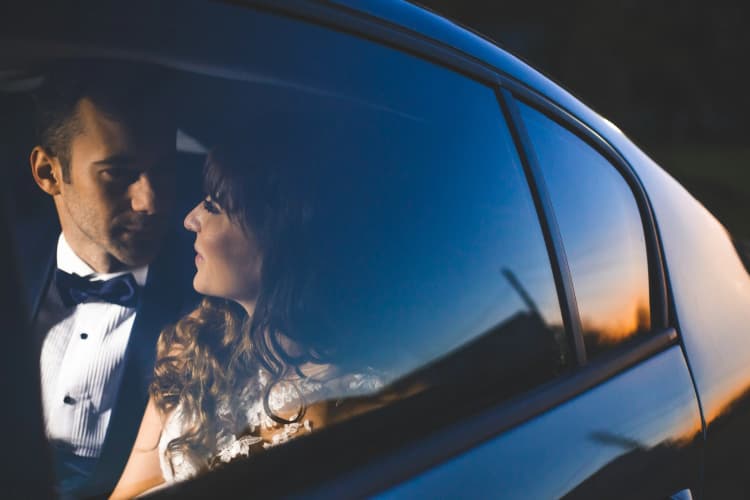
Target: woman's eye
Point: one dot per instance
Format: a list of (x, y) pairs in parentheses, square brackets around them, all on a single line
[(211, 206)]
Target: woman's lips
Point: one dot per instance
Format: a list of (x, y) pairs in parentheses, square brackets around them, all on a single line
[(198, 258)]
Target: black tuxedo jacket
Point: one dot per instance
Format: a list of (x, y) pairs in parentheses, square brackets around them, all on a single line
[(167, 295)]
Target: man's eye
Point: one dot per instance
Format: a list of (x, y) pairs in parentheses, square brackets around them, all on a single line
[(211, 206), (120, 174)]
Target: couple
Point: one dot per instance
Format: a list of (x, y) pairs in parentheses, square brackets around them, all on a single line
[(239, 373)]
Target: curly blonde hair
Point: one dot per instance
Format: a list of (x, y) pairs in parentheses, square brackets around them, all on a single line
[(216, 352), (206, 356)]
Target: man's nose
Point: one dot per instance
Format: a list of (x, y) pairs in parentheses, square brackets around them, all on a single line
[(191, 221), (143, 196)]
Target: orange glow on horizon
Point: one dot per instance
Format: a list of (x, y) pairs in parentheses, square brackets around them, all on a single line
[(615, 326)]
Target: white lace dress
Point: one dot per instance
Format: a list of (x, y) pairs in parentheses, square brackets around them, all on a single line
[(283, 398)]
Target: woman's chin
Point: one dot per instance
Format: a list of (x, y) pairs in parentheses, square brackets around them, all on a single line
[(205, 289), (199, 286)]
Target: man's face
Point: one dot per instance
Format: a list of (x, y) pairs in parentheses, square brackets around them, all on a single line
[(114, 209)]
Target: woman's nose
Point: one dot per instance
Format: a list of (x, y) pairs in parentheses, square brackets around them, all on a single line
[(191, 222)]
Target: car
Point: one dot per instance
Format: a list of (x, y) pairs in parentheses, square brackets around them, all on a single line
[(553, 315)]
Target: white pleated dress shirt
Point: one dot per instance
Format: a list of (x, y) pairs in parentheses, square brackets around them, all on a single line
[(82, 359)]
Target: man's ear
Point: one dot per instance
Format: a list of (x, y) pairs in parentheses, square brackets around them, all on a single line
[(46, 170)]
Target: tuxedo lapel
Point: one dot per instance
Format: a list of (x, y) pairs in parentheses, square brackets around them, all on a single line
[(36, 255), (38, 288)]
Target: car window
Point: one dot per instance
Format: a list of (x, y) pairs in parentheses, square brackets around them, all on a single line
[(602, 233), (392, 246), (422, 260)]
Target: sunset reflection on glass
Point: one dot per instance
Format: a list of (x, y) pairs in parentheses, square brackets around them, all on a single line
[(601, 231)]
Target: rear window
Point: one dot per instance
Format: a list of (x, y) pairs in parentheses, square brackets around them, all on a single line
[(602, 232)]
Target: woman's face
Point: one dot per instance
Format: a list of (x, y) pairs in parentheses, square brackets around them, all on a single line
[(228, 259)]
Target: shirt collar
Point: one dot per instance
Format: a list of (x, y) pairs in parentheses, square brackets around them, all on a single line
[(68, 261)]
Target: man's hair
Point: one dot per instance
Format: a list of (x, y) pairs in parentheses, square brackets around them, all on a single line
[(124, 91)]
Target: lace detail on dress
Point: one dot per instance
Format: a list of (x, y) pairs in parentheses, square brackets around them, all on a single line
[(285, 398), (238, 447)]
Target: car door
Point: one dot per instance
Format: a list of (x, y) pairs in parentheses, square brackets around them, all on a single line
[(636, 432)]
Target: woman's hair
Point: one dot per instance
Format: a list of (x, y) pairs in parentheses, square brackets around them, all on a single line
[(212, 354)]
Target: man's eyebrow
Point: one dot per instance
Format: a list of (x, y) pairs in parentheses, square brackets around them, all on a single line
[(119, 159)]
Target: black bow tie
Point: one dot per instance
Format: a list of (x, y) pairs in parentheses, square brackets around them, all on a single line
[(122, 290)]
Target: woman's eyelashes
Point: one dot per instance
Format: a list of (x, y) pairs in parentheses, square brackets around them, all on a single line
[(210, 206)]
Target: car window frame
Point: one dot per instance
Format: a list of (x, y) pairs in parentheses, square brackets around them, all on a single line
[(659, 301), (344, 19)]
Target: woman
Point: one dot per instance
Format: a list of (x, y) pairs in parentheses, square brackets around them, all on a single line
[(243, 371)]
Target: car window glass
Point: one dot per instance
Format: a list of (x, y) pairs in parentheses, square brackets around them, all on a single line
[(400, 248), (423, 252), (602, 233)]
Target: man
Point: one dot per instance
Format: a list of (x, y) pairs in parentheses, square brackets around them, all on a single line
[(105, 155)]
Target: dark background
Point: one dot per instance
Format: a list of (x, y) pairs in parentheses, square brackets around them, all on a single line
[(671, 74)]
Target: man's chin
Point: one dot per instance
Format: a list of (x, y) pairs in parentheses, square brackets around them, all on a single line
[(136, 249), (137, 257)]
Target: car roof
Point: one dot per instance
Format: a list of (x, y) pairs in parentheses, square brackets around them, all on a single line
[(419, 19)]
